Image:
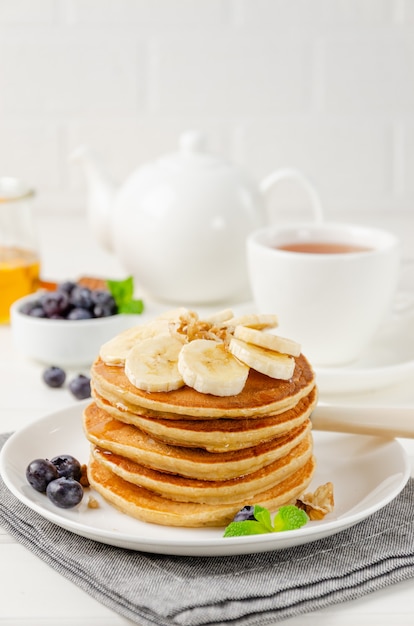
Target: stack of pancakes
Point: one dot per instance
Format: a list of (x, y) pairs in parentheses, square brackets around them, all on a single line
[(184, 458)]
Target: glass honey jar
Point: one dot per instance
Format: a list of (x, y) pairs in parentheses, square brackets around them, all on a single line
[(19, 256)]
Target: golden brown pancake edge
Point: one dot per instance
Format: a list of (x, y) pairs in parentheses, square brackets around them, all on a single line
[(183, 489), (220, 435), (129, 441), (149, 507), (261, 395)]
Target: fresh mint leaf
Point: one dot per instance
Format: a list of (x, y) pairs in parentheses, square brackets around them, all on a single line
[(263, 516), (121, 290), (247, 527), (134, 307), (123, 293), (289, 517)]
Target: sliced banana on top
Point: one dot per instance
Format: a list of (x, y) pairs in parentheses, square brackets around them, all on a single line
[(208, 367), (219, 317), (114, 351), (212, 355), (253, 320), (173, 314), (267, 362), (152, 364), (267, 340)]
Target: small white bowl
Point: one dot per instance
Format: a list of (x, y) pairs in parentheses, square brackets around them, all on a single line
[(65, 343)]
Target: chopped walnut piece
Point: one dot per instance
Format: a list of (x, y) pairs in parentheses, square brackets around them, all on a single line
[(319, 503), (184, 321), (84, 476), (93, 503), (193, 328), (198, 330)]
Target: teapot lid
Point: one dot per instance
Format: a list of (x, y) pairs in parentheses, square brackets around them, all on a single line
[(192, 153)]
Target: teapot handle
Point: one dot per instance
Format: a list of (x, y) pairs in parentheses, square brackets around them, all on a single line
[(270, 181)]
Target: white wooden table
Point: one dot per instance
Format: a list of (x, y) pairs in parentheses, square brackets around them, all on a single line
[(31, 593)]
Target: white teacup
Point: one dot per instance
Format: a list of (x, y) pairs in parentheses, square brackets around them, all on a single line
[(331, 288)]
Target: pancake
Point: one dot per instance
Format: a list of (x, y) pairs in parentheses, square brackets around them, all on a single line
[(207, 491), (136, 445), (180, 437), (148, 506), (220, 435), (261, 395)]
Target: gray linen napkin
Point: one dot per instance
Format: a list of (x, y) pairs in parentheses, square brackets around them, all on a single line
[(256, 589)]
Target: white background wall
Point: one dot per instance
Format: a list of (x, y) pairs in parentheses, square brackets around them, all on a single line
[(323, 85)]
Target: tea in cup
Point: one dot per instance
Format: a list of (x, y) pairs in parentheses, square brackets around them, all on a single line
[(332, 285)]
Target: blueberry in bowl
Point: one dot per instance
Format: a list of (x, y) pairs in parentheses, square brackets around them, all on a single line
[(67, 325), (71, 301)]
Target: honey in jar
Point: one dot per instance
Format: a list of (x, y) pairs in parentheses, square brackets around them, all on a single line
[(19, 276), (19, 260)]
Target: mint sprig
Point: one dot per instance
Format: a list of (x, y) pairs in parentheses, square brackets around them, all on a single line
[(122, 292), (288, 517)]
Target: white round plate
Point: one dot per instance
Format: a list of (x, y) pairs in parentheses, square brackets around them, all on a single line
[(367, 473), (388, 359)]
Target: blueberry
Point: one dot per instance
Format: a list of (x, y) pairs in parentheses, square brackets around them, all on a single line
[(80, 387), (54, 303), (54, 376), (37, 311), (28, 306), (64, 492), (78, 313), (99, 296), (40, 473), (246, 513), (102, 310), (104, 303), (67, 286), (81, 297), (67, 466), (103, 298)]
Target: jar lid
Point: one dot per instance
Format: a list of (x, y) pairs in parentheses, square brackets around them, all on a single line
[(13, 189)]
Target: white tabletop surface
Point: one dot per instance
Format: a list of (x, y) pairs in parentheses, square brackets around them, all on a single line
[(34, 594)]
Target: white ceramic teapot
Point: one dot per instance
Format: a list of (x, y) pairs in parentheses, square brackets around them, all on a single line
[(179, 225)]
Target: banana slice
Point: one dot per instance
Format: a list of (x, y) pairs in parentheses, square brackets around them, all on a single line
[(152, 364), (253, 320), (267, 340), (114, 351), (173, 314), (267, 362), (219, 317), (208, 367)]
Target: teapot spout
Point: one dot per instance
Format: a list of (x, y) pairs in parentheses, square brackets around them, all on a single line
[(101, 193)]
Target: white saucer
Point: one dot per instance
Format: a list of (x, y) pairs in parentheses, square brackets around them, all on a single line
[(387, 360)]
